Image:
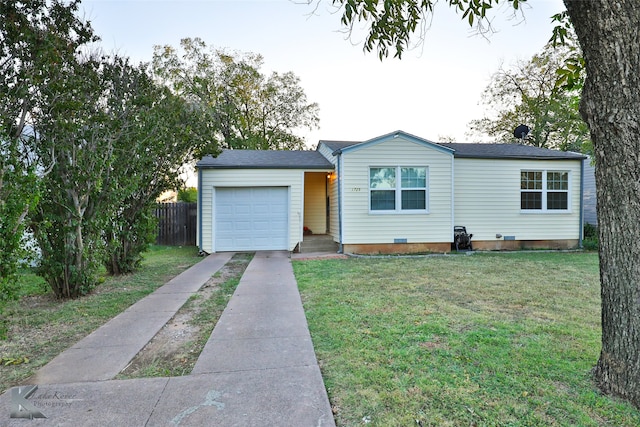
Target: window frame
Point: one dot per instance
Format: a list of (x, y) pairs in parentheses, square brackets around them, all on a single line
[(398, 189), (545, 191)]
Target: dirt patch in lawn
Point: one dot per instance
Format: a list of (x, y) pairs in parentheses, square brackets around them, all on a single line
[(176, 347)]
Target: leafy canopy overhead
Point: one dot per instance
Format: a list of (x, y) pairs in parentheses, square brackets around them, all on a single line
[(393, 23)]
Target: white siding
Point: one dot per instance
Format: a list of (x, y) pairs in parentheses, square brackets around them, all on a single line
[(360, 226), (487, 200), (212, 178), (334, 221), (327, 153)]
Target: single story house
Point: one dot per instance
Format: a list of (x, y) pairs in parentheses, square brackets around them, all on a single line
[(396, 193)]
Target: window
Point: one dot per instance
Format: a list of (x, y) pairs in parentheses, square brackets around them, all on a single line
[(557, 190), (398, 189), (531, 190), (544, 190)]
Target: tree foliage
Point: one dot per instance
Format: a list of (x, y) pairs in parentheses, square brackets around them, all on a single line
[(188, 195), (18, 195), (391, 25), (78, 136), (536, 93), (119, 141), (35, 38), (243, 108), (89, 137), (159, 140)]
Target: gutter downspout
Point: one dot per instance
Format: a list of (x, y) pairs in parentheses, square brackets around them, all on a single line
[(580, 230), (200, 210), (339, 164), (453, 195), (301, 213)]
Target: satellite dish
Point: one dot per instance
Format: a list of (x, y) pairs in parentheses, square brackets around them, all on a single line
[(521, 131)]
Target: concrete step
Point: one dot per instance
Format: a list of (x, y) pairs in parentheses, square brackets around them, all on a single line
[(318, 243)]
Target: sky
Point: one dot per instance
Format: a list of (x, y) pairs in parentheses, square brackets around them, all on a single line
[(433, 92)]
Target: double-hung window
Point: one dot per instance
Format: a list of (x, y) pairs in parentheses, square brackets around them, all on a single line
[(398, 189), (544, 190)]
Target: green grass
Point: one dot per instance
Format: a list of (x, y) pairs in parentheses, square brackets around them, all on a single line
[(211, 309), (40, 327), (483, 340), (31, 284)]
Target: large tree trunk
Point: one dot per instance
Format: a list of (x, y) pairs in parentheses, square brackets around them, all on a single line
[(609, 34)]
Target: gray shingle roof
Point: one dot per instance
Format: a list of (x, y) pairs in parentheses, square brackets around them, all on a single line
[(265, 159), (508, 151), (269, 159), (485, 151), (339, 145)]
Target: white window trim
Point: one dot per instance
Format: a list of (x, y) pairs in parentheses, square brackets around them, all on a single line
[(398, 192), (544, 191)]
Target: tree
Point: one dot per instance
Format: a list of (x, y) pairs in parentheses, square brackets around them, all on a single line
[(75, 135), (244, 108), (149, 157), (532, 93), (94, 138), (36, 37), (609, 36), (18, 195), (188, 195)]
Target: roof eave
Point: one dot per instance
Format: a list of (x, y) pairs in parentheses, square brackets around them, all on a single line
[(392, 135), (515, 157), (320, 168)]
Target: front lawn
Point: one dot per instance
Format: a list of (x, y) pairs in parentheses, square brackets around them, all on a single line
[(483, 340)]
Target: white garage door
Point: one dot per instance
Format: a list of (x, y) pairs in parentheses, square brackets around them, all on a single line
[(251, 218)]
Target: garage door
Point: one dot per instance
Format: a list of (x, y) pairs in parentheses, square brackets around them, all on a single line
[(250, 219)]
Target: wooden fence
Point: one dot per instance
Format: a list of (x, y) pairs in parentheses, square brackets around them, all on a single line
[(177, 223)]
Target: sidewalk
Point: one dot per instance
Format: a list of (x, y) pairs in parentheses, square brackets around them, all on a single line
[(257, 369)]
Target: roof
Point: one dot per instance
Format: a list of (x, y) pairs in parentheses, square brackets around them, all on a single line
[(509, 151), (483, 151), (338, 145), (265, 159), (299, 159)]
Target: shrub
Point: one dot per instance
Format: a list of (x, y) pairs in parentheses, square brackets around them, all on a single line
[(188, 195), (590, 241)]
